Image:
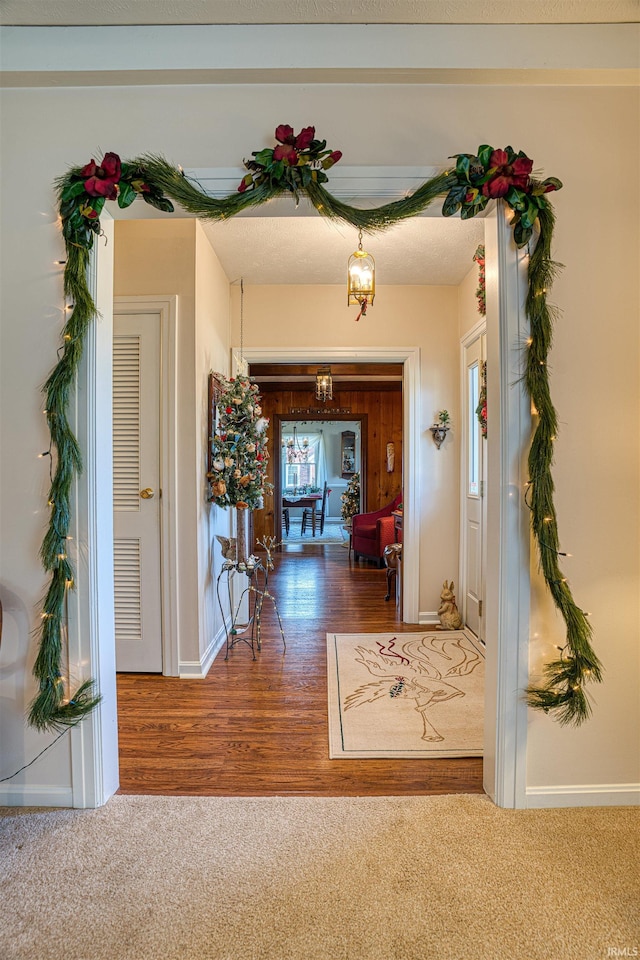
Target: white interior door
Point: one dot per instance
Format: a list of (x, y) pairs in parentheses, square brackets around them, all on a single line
[(473, 489), (136, 491)]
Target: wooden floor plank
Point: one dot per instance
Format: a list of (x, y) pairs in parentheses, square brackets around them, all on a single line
[(259, 728)]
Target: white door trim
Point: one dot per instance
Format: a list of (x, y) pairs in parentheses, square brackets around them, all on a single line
[(92, 648), (507, 528), (95, 742), (167, 308), (410, 358), (478, 330)]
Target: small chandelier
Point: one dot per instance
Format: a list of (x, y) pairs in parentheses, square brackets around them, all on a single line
[(324, 384), (361, 280)]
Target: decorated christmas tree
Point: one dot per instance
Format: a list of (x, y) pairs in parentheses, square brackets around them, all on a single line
[(351, 498), (239, 447)]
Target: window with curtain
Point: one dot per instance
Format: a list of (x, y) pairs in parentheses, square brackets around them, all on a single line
[(303, 461)]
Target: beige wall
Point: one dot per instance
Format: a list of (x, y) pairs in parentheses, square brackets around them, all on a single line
[(211, 353), (174, 257), (587, 136), (424, 317)]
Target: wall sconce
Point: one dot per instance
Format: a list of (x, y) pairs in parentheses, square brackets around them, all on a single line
[(440, 429), (439, 433), (361, 279), (324, 384)]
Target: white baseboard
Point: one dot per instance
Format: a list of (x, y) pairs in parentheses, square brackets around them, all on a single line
[(584, 795), (428, 617), (198, 669), (27, 795)]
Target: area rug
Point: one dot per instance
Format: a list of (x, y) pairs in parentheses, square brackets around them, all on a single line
[(333, 533), (405, 695)]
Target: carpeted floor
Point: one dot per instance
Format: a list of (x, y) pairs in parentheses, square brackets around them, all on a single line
[(414, 878)]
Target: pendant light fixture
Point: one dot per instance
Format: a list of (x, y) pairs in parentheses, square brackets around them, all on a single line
[(324, 384), (361, 280)]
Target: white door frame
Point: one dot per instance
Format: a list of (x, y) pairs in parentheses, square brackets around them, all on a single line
[(410, 358), (478, 330), (167, 308), (95, 742)]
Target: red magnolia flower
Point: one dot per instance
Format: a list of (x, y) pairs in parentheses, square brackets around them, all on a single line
[(101, 180), (333, 157), (286, 152), (289, 144), (506, 174), (304, 138)]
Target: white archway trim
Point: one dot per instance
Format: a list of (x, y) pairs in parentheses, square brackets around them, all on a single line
[(95, 741), (508, 533)]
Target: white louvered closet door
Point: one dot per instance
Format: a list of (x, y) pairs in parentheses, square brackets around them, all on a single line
[(136, 492)]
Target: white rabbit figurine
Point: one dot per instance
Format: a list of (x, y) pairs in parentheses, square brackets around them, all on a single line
[(447, 611)]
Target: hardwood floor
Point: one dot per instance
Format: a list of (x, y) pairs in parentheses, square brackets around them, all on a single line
[(260, 728)]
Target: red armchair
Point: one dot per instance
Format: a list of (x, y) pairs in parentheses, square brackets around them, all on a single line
[(372, 532)]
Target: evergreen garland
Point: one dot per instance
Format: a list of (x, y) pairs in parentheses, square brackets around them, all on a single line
[(481, 291), (297, 166)]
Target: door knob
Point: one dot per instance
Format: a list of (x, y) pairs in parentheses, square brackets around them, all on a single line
[(147, 493)]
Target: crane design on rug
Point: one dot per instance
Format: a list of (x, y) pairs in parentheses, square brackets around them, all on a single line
[(416, 670)]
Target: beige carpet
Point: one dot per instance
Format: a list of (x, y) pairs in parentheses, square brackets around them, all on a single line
[(416, 695), (411, 878)]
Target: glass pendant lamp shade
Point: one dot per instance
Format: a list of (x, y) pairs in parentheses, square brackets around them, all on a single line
[(324, 384), (361, 279)]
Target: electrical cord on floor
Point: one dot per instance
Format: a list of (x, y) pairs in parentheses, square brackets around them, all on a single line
[(48, 747)]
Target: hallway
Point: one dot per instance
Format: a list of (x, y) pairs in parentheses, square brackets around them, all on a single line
[(260, 729)]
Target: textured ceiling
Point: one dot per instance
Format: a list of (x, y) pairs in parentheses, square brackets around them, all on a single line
[(272, 250), (110, 12)]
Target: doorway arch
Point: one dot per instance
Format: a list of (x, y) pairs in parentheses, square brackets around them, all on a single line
[(94, 742)]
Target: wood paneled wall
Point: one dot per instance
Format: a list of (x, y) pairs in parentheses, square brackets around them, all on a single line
[(382, 402)]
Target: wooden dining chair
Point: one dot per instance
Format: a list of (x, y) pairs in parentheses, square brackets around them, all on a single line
[(307, 512), (286, 520)]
